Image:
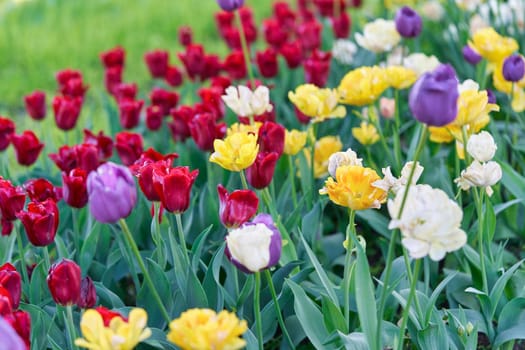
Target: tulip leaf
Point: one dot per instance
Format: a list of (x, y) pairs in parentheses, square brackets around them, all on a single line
[(489, 221), (511, 322), (333, 318), (497, 291), (107, 297), (198, 247), (88, 250), (512, 180), (433, 337), (354, 341), (195, 294)]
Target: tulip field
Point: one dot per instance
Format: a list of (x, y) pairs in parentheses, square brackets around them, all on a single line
[(286, 174)]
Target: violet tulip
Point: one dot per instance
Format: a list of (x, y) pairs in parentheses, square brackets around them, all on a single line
[(237, 207), (112, 192), (514, 68), (230, 5), (10, 339), (174, 187), (408, 22), (41, 222), (260, 173), (20, 321), (64, 280), (470, 55), (36, 105), (433, 98)]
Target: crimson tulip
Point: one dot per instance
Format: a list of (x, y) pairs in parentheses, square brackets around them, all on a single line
[(7, 129), (154, 116), (271, 138), (235, 65), (126, 91), (165, 99), (27, 147), (129, 146), (20, 321), (88, 294), (113, 58), (204, 130), (67, 110), (103, 142), (64, 280), (237, 207), (267, 63), (185, 35), (157, 62), (174, 187), (193, 60), (112, 79), (173, 76), (41, 222), (12, 200), (74, 187), (292, 54), (41, 189), (129, 113), (11, 281), (36, 105), (179, 127), (260, 173), (317, 67)]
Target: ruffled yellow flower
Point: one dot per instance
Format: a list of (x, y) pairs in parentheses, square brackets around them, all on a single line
[(120, 335), (324, 148), (204, 329), (244, 128), (363, 85), (492, 46), (518, 100), (366, 134), (319, 104), (353, 188), (400, 77), (236, 152), (294, 141)]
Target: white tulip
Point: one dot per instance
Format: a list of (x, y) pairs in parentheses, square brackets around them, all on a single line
[(481, 175), (378, 36), (420, 63), (482, 147), (245, 102), (249, 245), (338, 159)]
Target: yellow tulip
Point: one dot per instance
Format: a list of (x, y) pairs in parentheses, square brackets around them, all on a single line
[(363, 85), (294, 141), (319, 104), (366, 134), (324, 148), (493, 46), (236, 152), (400, 77)]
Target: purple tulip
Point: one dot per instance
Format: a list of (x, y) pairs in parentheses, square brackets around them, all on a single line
[(10, 339), (254, 246), (408, 22), (470, 55), (112, 192), (514, 68), (230, 5), (433, 98), (491, 96)]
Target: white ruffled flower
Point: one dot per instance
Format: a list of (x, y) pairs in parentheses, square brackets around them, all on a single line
[(245, 102), (343, 51), (378, 36), (430, 223), (467, 85), (481, 175), (338, 159), (482, 147), (433, 10), (420, 63), (391, 183)]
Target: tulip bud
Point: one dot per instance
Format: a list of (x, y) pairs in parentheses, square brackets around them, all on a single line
[(193, 60), (88, 294), (254, 246), (173, 76), (267, 63), (12, 200), (237, 207), (74, 188), (129, 113), (67, 111), (74, 88), (482, 147), (157, 62), (129, 146), (408, 22), (154, 116), (204, 130), (10, 339), (470, 55), (235, 65), (165, 99), (230, 5), (433, 98), (174, 187), (11, 281), (41, 222), (112, 193), (126, 91), (7, 129), (185, 35), (27, 147), (274, 33), (113, 58), (63, 280), (179, 128), (103, 142), (387, 107), (317, 67), (36, 105), (260, 173), (271, 138), (341, 25), (113, 79), (514, 68), (292, 54)]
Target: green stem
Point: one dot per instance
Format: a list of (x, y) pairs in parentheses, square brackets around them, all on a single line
[(243, 180), (47, 260), (312, 162), (76, 230), (182, 239), (70, 325), (409, 301), (347, 269), (370, 159), (292, 177), (397, 142), (257, 310), (140, 261), (478, 198), (507, 115), (245, 51), (278, 309), (23, 264)]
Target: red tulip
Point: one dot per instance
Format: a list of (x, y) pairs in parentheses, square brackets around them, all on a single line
[(274, 33), (154, 116), (88, 294), (7, 227), (21, 323), (237, 207), (103, 142), (165, 99), (38, 190), (11, 281), (185, 35), (63, 76), (113, 79), (212, 67), (341, 25), (317, 67), (84, 156), (74, 88), (284, 14), (63, 280), (7, 129), (108, 315), (113, 58), (235, 65), (179, 127), (129, 147), (221, 82), (36, 105), (292, 54), (260, 173), (212, 98), (267, 63), (157, 62), (174, 187), (271, 138), (74, 188), (126, 91), (326, 7), (6, 306), (12, 200), (204, 130), (173, 76), (67, 111), (309, 35), (27, 147), (144, 172), (193, 60), (41, 222), (129, 113)]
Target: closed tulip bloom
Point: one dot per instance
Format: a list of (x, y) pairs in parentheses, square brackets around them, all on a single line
[(6, 306), (292, 54), (267, 63), (143, 170), (260, 174), (65, 75), (274, 34), (185, 35), (408, 22), (366, 134), (317, 68), (492, 46), (129, 113), (236, 152), (341, 25), (41, 222), (113, 79), (294, 141), (482, 147), (74, 188), (103, 143), (204, 130), (514, 68), (193, 60), (7, 129), (254, 246), (165, 99), (271, 138), (230, 5), (179, 127), (113, 58), (67, 110), (88, 294), (126, 91), (27, 147), (174, 187), (36, 105), (11, 281), (112, 192), (173, 76), (433, 98), (10, 339), (154, 116), (235, 66), (470, 55), (41, 189), (237, 207), (157, 62), (12, 199), (129, 146), (64, 280), (74, 88)]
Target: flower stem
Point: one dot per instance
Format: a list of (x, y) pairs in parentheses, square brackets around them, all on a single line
[(47, 260), (140, 261), (245, 50), (182, 239), (278, 309), (397, 143), (257, 310), (70, 325), (478, 198), (292, 176), (347, 269), (23, 264), (407, 306), (243, 179)]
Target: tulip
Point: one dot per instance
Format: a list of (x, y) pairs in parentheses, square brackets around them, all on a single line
[(88, 294), (260, 174), (126, 91), (235, 65), (154, 116), (157, 62), (165, 99), (491, 97), (129, 113), (143, 169), (63, 76), (74, 188), (112, 193), (470, 55), (204, 130), (41, 222), (27, 147), (7, 227), (267, 63), (309, 35), (193, 60), (74, 88), (113, 58), (514, 68), (230, 5), (317, 67), (212, 66), (173, 76), (408, 22), (64, 280), (179, 128), (185, 35), (237, 207), (67, 111), (212, 100), (274, 34), (292, 54), (107, 315), (236, 152), (174, 187), (6, 305), (112, 79), (284, 14), (433, 98), (84, 156), (36, 105), (254, 246), (129, 146), (326, 7), (103, 142), (341, 26), (12, 200), (39, 190), (271, 138), (7, 129), (11, 281), (10, 339)]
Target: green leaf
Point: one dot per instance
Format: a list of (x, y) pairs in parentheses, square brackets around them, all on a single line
[(162, 286), (311, 221), (435, 295), (88, 250), (198, 246), (511, 322), (195, 294), (377, 221), (107, 297), (434, 337), (489, 221), (333, 318), (354, 341), (499, 286), (512, 180)]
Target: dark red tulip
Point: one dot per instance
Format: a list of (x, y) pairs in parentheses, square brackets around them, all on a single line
[(114, 57), (38, 190), (260, 173), (224, 21), (113, 79), (157, 62), (237, 207), (129, 113), (326, 7), (64, 280), (173, 76), (185, 35), (274, 33), (317, 67), (212, 98), (284, 14), (341, 25), (165, 99), (12, 199), (154, 116), (235, 65), (36, 105), (11, 281), (144, 166), (221, 82), (74, 188), (126, 91), (271, 138), (6, 306), (27, 147), (7, 227), (108, 315), (212, 66), (103, 142), (65, 75), (41, 222), (88, 294), (174, 187), (292, 54), (67, 110), (74, 88), (204, 130), (301, 117), (179, 128), (129, 146), (21, 323), (193, 60), (309, 35), (7, 129), (267, 63), (84, 156)]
